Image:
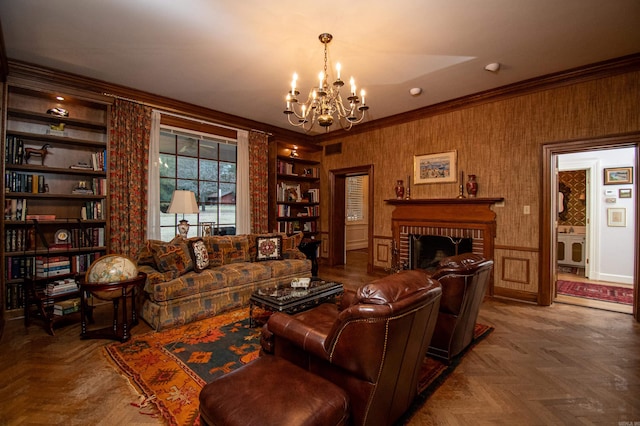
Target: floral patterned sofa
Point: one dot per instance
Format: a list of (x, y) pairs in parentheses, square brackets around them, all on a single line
[(196, 278)]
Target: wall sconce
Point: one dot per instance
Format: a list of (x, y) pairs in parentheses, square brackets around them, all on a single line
[(582, 197), (294, 153)]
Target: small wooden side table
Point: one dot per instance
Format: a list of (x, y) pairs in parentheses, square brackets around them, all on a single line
[(116, 292)]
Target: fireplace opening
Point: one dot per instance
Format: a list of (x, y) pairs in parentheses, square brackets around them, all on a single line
[(426, 251)]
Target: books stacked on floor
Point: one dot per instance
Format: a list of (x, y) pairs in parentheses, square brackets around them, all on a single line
[(52, 266), (60, 287), (66, 307)]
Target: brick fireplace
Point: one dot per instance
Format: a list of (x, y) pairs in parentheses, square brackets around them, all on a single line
[(449, 217)]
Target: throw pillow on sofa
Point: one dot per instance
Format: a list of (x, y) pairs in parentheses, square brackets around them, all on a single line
[(269, 248), (289, 248), (173, 257), (145, 255), (199, 254)]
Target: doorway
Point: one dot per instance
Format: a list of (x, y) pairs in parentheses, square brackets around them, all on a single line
[(550, 208), (337, 244), (581, 280)]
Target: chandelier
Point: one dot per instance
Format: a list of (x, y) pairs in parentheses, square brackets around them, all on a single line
[(324, 105)]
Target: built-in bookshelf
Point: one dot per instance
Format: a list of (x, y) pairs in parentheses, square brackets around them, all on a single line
[(55, 223), (297, 195), (296, 189)]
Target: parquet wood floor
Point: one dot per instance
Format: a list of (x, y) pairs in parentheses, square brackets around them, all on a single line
[(558, 365)]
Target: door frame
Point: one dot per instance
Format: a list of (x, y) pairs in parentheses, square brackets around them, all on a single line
[(337, 211), (548, 255)]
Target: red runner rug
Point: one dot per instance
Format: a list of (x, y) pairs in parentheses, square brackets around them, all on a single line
[(606, 293), (170, 367)]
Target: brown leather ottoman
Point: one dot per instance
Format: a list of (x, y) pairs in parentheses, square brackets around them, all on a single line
[(273, 391)]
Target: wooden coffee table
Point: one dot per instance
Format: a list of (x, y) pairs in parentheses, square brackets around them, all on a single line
[(291, 300)]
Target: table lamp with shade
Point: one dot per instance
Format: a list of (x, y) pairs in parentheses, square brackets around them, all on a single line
[(183, 202)]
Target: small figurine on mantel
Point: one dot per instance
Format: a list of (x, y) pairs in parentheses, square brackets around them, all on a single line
[(399, 188), (472, 186)]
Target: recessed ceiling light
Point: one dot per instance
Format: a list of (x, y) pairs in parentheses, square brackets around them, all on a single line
[(415, 91), (492, 67), (60, 98)]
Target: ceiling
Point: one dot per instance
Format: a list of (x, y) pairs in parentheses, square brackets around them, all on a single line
[(238, 56)]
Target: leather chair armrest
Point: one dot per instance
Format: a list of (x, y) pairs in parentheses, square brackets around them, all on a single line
[(348, 297), (299, 333)]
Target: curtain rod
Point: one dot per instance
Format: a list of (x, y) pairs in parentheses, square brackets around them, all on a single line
[(161, 110)]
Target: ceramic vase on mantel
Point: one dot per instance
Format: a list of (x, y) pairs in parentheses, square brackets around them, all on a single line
[(399, 189), (472, 186)]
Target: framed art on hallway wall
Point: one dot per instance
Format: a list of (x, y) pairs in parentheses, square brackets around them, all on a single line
[(618, 175)]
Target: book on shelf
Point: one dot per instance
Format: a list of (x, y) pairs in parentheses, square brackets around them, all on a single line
[(40, 260), (14, 296), (41, 217), (52, 268), (98, 160), (65, 307), (15, 209), (18, 267), (53, 273), (55, 288), (14, 150), (81, 166)]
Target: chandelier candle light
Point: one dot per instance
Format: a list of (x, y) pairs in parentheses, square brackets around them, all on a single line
[(324, 102), (183, 202)]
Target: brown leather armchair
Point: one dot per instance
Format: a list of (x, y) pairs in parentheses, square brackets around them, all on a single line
[(372, 346), (464, 279)]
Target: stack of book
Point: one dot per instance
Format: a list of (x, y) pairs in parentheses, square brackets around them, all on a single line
[(52, 266), (60, 287), (66, 307)]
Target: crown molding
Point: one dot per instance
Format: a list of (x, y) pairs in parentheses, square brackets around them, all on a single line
[(48, 76), (572, 76)]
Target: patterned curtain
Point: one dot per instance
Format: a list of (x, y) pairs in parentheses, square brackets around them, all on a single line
[(259, 183), (128, 168)]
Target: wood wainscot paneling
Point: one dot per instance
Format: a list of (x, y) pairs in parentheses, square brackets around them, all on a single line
[(516, 273), (383, 252)]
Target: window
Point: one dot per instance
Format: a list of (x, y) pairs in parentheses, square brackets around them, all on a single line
[(356, 198), (205, 165)]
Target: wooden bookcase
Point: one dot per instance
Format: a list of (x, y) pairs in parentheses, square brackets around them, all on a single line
[(294, 189), (56, 206)]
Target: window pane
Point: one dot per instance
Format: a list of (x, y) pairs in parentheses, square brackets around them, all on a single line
[(187, 168), (209, 192), (167, 187), (167, 143), (227, 172), (167, 165), (208, 170), (227, 193), (228, 152), (187, 146), (208, 149), (188, 185)]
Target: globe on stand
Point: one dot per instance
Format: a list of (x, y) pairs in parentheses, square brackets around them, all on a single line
[(112, 268)]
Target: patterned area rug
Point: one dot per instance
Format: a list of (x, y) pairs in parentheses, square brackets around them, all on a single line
[(170, 367), (607, 293)]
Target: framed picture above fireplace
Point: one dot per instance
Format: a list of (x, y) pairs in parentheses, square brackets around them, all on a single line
[(435, 168)]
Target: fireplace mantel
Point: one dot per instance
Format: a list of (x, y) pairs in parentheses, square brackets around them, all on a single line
[(475, 210), (454, 217)]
